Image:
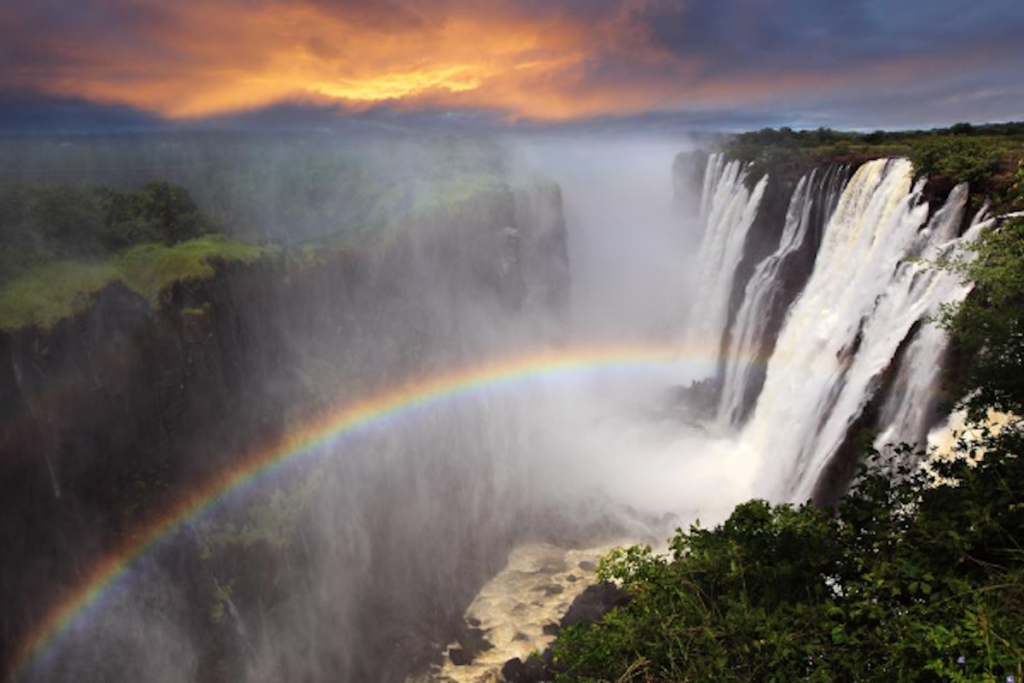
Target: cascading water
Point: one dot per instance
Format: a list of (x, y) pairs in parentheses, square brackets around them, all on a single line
[(863, 298), (747, 344), (384, 542), (909, 411), (728, 210)]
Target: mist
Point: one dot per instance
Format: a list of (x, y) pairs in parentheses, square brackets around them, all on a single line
[(632, 245), (361, 563)]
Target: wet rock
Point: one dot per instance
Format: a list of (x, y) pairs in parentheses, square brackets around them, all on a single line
[(534, 670), (593, 603), (514, 670), (460, 657), (472, 642)]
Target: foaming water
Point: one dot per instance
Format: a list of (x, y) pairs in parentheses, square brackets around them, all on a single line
[(728, 209), (817, 190), (510, 449), (865, 295)]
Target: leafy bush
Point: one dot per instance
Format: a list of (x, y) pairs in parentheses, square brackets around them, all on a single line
[(1015, 193), (960, 158), (906, 581), (989, 325), (73, 221)]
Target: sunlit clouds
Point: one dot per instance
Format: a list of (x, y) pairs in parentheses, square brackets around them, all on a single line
[(200, 60), (533, 60)]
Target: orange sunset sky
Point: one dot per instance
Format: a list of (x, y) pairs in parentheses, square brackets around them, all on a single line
[(535, 62)]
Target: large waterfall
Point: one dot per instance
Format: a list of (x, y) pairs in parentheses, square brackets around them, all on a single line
[(513, 361), (747, 344), (859, 321), (728, 209), (909, 411)]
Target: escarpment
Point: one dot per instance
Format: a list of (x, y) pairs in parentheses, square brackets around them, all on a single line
[(113, 413)]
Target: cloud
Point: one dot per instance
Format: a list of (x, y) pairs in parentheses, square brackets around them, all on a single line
[(29, 112), (528, 62)]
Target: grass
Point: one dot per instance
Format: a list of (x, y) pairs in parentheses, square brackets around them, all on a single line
[(42, 295), (47, 294), (149, 269)]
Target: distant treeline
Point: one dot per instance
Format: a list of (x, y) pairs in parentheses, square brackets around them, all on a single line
[(281, 187), (40, 223), (985, 156)]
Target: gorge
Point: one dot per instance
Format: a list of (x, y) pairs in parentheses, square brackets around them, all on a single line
[(308, 461)]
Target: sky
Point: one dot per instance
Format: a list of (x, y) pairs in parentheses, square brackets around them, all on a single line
[(647, 64)]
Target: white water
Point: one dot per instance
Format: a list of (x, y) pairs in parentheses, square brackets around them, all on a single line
[(909, 410), (761, 292), (860, 303), (728, 209)]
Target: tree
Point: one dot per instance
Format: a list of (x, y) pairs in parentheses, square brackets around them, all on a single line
[(962, 159), (904, 581), (988, 327)]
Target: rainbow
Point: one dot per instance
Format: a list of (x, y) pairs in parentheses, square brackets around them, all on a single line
[(325, 430)]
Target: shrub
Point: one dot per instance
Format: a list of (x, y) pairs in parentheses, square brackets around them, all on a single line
[(960, 158), (989, 325), (905, 581)]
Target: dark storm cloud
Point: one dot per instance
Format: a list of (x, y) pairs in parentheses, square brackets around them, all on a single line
[(29, 112), (772, 35)]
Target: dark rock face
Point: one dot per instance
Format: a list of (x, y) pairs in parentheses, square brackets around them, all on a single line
[(111, 416), (536, 669), (472, 641), (593, 603), (688, 170)]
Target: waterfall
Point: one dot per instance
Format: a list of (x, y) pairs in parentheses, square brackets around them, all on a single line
[(908, 413), (864, 297), (728, 209), (747, 341)]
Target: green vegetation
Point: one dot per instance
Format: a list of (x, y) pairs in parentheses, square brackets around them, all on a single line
[(984, 156), (52, 292), (962, 159), (1015, 195), (907, 579), (281, 187), (61, 244), (321, 194), (430, 196), (47, 294), (240, 547), (41, 223), (988, 326), (149, 269), (905, 582)]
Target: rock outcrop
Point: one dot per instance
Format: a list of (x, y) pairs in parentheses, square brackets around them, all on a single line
[(111, 415)]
